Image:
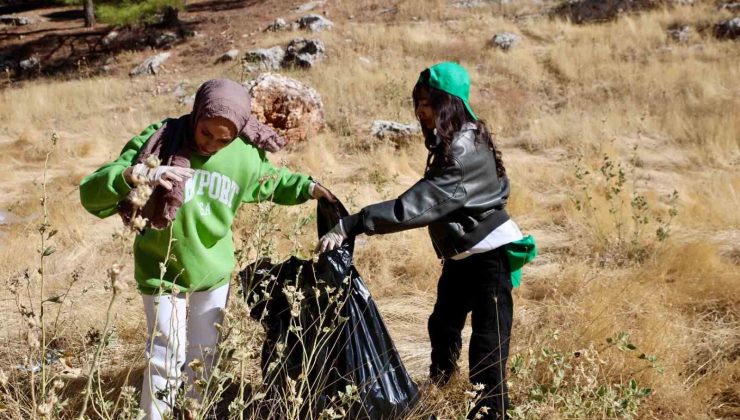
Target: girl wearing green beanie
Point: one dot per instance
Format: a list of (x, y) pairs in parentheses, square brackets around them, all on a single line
[(461, 200)]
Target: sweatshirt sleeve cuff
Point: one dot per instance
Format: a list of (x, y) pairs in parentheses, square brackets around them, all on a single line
[(353, 225), (119, 183)]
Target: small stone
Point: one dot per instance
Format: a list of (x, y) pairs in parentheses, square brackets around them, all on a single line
[(229, 55), (29, 63), (467, 4), (109, 38), (180, 90), (278, 24), (266, 58), (305, 7), (315, 23), (505, 40), (165, 39), (150, 65), (15, 20), (680, 34), (302, 52), (365, 60), (7, 218)]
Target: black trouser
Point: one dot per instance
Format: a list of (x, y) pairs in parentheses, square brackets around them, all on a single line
[(480, 283)]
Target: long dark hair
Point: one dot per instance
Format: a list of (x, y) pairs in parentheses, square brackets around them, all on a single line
[(451, 115)]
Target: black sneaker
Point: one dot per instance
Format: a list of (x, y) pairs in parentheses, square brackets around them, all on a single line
[(440, 377)]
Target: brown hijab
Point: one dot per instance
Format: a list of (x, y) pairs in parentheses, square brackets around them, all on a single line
[(173, 143)]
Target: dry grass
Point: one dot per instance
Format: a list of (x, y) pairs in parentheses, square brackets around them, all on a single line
[(566, 94)]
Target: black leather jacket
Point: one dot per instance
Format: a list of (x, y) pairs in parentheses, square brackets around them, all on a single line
[(461, 202)]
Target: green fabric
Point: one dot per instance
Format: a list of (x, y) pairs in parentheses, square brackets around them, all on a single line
[(454, 79), (520, 253), (202, 250)]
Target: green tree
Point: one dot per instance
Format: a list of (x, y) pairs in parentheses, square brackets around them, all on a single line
[(129, 12)]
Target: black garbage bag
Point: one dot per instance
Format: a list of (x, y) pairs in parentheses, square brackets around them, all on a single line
[(326, 346)]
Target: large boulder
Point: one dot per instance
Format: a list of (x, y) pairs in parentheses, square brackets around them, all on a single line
[(728, 29), (302, 52), (590, 11), (266, 58), (287, 105), (150, 65), (315, 23)]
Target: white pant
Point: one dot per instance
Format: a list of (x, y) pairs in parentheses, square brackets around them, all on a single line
[(180, 328)]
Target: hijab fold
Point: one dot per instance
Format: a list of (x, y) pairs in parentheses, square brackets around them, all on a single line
[(174, 142)]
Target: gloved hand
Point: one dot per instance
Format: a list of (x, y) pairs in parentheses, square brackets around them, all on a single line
[(333, 239), (319, 191), (161, 175)]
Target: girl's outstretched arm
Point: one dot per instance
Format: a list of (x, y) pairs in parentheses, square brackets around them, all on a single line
[(101, 191), (439, 193), (279, 185)]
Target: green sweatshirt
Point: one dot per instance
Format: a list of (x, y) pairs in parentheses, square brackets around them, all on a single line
[(202, 244)]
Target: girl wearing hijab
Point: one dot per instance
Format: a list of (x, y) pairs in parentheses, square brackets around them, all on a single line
[(207, 164), (462, 200)]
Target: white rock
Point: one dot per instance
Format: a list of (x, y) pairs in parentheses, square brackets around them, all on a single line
[(392, 130), (229, 55), (150, 65), (305, 7), (315, 23), (505, 40), (467, 4), (266, 58), (166, 38), (278, 24), (16, 20), (109, 38), (680, 34), (29, 63)]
